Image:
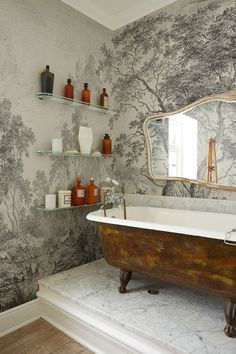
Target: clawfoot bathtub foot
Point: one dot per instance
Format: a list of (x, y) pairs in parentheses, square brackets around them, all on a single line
[(230, 315), (125, 277)]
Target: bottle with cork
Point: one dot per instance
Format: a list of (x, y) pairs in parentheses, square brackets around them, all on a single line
[(78, 193), (69, 90), (106, 145), (91, 192), (85, 97), (104, 99)]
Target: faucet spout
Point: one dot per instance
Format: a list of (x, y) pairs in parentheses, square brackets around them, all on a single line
[(112, 182), (104, 203), (124, 201)]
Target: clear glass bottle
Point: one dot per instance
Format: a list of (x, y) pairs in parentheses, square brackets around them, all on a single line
[(47, 80), (106, 145), (91, 192), (85, 94), (69, 90), (104, 99), (78, 193)]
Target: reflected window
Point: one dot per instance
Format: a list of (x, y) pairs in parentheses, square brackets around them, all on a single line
[(183, 146)]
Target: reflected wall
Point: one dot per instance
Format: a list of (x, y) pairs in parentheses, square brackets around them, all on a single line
[(179, 142)]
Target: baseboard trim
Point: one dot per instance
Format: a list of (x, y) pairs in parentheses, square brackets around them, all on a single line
[(19, 316), (95, 331)]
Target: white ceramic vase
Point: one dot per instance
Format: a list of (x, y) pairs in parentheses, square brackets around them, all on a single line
[(85, 138)]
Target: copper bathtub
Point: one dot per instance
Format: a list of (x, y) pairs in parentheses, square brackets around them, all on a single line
[(180, 246)]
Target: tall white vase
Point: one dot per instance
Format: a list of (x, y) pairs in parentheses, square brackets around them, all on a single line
[(85, 138)]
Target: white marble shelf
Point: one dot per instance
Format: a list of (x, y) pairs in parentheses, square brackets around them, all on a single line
[(74, 102)]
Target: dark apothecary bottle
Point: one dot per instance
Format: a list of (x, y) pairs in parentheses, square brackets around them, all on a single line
[(106, 145), (69, 90), (85, 94), (47, 80), (104, 99)]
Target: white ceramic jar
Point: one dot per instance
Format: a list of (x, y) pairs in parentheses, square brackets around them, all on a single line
[(56, 145), (85, 138), (64, 199), (50, 201), (104, 192)]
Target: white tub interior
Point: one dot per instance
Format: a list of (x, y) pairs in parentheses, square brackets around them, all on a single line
[(196, 223)]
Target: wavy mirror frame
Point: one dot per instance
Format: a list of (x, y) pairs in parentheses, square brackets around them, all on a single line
[(229, 96)]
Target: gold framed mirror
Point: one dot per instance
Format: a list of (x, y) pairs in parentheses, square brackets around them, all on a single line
[(195, 144)]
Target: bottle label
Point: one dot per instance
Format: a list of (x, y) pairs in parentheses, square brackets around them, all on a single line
[(105, 102), (80, 193), (67, 199), (95, 192)]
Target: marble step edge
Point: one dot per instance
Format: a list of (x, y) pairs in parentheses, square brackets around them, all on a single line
[(94, 330)]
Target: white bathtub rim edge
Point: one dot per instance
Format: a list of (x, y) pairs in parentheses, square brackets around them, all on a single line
[(98, 216)]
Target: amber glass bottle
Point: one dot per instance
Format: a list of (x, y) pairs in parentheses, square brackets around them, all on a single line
[(106, 145), (85, 94), (104, 99), (69, 90), (91, 192), (78, 193)]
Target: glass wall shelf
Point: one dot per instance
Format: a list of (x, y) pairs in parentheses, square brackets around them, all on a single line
[(69, 208), (72, 154), (73, 102)]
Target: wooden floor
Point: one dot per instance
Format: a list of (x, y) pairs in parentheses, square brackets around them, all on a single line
[(39, 337)]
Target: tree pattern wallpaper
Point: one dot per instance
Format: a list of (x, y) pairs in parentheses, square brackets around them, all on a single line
[(154, 65), (163, 62), (36, 243)]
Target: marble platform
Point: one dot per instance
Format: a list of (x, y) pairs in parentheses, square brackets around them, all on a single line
[(180, 319)]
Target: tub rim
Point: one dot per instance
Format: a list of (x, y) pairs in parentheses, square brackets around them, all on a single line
[(99, 217)]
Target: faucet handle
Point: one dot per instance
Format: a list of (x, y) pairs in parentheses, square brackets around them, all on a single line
[(230, 238)]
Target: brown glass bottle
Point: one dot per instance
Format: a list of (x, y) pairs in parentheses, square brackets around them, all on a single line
[(91, 192), (106, 145), (85, 94), (69, 90), (104, 99), (78, 193), (47, 80)]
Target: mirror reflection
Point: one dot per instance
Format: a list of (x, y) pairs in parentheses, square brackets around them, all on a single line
[(197, 144)]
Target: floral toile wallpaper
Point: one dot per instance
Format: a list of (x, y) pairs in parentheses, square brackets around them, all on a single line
[(156, 64)]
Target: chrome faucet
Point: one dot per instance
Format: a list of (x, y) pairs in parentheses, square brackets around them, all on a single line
[(112, 196)]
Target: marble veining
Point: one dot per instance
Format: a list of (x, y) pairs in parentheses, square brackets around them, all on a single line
[(185, 320), (211, 205)]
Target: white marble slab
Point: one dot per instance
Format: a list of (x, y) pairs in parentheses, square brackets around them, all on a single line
[(186, 320), (211, 205)]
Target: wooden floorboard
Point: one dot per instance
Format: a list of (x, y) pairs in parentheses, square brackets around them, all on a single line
[(71, 348), (21, 332), (40, 337)]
